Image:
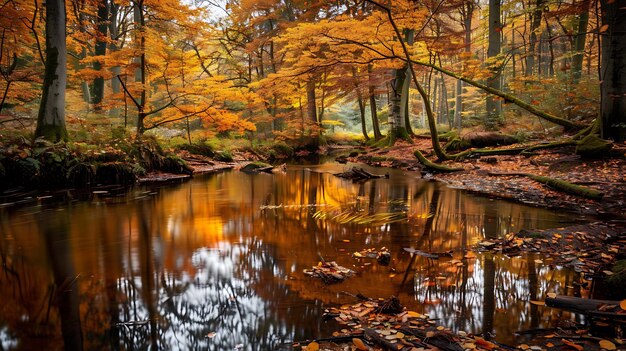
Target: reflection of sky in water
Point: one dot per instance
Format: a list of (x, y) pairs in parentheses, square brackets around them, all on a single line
[(210, 261), (218, 300), (6, 341)]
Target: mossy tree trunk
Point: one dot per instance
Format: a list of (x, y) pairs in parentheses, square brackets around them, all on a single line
[(100, 50), (580, 40), (396, 118), (51, 117)]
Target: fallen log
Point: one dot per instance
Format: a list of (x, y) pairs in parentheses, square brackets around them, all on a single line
[(256, 167), (568, 187), (605, 309), (374, 337), (358, 174), (441, 340), (558, 184)]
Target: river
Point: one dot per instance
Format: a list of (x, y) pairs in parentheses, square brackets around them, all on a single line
[(216, 263)]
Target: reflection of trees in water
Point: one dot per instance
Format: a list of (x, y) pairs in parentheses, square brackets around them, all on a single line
[(232, 293), (203, 258), (488, 293)]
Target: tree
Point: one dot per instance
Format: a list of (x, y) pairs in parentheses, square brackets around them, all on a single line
[(613, 74), (494, 106), (466, 11), (579, 41), (100, 51), (51, 118)]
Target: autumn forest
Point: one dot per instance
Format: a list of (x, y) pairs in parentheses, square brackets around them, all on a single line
[(313, 175)]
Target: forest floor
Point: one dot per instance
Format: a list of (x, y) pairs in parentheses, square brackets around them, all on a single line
[(607, 175)]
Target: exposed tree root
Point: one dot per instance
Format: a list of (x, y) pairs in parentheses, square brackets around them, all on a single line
[(560, 185), (434, 166)]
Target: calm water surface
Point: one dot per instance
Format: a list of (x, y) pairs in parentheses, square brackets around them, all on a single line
[(222, 255)]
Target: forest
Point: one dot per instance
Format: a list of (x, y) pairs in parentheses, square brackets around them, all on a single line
[(430, 153)]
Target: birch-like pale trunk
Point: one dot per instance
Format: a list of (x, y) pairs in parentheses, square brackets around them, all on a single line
[(51, 117)]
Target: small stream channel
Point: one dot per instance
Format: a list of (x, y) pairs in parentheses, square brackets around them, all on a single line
[(216, 263)]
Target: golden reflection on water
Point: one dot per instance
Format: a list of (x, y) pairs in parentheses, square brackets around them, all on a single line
[(224, 254)]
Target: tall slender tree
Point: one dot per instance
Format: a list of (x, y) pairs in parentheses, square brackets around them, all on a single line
[(51, 117), (100, 51), (494, 106), (613, 88)]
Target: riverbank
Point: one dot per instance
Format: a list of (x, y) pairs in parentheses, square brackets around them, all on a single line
[(498, 175)]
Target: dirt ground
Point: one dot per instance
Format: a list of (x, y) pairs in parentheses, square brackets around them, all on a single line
[(607, 175)]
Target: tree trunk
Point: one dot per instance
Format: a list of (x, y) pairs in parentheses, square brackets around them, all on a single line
[(396, 118), (579, 41), (406, 112), (361, 102), (100, 50), (115, 70), (535, 22), (51, 117), (458, 103), (613, 71), (466, 14), (372, 93), (140, 72), (443, 103), (312, 113), (494, 107)]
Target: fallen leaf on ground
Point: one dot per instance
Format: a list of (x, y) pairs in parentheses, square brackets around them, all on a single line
[(359, 344), (606, 344), (572, 344), (313, 346)]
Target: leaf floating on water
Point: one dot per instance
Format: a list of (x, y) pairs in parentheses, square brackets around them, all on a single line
[(414, 314), (608, 345), (359, 344), (329, 272), (313, 346), (487, 345), (538, 303), (572, 344)]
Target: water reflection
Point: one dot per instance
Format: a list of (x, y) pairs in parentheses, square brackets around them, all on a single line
[(200, 266)]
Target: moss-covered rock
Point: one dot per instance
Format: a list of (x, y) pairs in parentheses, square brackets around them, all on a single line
[(257, 166), (223, 156), (199, 149), (174, 164), (594, 147)]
